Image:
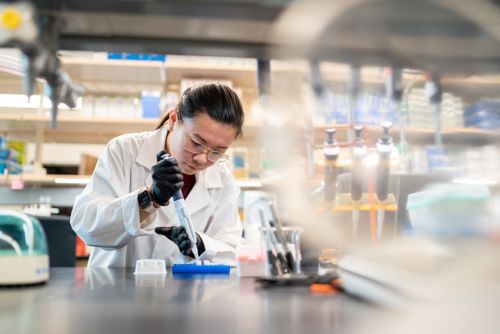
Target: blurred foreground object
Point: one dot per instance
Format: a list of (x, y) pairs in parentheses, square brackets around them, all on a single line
[(23, 250), (450, 210), (18, 28)]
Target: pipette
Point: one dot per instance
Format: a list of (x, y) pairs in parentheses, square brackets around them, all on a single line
[(358, 153), (285, 268), (394, 92), (183, 215), (384, 149), (275, 222), (271, 247), (331, 151), (353, 87), (434, 93)]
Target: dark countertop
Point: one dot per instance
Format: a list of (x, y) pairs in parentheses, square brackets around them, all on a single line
[(98, 300)]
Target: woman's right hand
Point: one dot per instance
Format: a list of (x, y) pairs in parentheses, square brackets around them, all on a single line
[(167, 180)]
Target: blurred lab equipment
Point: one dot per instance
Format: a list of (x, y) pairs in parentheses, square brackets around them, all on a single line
[(17, 23), (274, 266), (11, 156), (394, 92), (239, 162), (358, 152), (291, 257), (434, 93), (41, 209), (328, 261), (292, 236), (263, 77), (384, 147), (39, 48), (277, 249), (398, 272), (251, 261), (448, 209), (281, 244), (318, 89), (253, 201), (417, 269), (24, 256), (402, 185), (327, 283), (331, 150), (353, 87)]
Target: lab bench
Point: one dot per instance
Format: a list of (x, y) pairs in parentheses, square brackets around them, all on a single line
[(101, 300)]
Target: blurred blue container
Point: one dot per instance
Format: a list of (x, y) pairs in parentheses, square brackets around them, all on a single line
[(136, 56), (150, 105), (436, 158), (4, 156), (484, 114)]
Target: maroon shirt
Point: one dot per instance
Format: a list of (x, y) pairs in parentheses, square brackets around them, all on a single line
[(189, 181)]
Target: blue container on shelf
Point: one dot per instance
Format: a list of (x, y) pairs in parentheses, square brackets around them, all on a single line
[(150, 105), (437, 158), (4, 156), (483, 114), (136, 56)]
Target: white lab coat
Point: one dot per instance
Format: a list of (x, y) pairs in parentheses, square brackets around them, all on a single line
[(106, 213)]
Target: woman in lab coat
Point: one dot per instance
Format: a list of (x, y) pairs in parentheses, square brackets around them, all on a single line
[(128, 196)]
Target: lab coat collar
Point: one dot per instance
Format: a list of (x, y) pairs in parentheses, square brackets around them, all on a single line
[(154, 143), (199, 197), (211, 176)]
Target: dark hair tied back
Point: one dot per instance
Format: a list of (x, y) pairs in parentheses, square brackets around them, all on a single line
[(218, 101)]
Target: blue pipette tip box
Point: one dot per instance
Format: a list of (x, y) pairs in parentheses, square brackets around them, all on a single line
[(200, 269)]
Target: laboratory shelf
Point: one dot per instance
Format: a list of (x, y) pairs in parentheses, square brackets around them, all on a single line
[(66, 180), (46, 180), (125, 75), (129, 76), (464, 136), (78, 129), (71, 129)]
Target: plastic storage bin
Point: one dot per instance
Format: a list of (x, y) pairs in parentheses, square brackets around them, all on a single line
[(449, 209)]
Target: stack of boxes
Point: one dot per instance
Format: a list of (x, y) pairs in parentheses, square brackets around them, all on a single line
[(370, 109), (421, 115)]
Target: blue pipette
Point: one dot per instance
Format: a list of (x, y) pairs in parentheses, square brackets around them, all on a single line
[(183, 216)]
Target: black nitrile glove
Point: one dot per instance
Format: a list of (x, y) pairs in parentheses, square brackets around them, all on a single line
[(167, 179), (178, 235)]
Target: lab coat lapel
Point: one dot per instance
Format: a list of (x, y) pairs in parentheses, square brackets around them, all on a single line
[(199, 197), (150, 147), (169, 211)]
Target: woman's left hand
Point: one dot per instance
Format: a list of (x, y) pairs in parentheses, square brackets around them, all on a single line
[(178, 235)]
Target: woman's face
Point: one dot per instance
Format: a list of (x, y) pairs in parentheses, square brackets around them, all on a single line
[(201, 132)]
